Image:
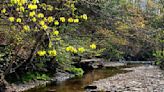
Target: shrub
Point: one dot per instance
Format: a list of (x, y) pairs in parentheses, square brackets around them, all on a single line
[(77, 71), (36, 34), (29, 76)]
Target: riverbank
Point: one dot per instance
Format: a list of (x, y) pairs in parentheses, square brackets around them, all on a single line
[(145, 78), (120, 82), (110, 69), (58, 77)]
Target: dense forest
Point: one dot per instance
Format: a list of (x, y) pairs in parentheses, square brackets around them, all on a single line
[(41, 38)]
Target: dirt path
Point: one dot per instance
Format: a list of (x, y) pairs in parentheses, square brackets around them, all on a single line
[(146, 78)]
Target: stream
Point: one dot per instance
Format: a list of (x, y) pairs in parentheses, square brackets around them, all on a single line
[(77, 84)]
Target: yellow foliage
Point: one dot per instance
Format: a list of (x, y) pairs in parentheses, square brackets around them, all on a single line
[(114, 39), (74, 50), (50, 19), (138, 21), (18, 2), (11, 19), (52, 52), (58, 38), (81, 49), (26, 28), (13, 1), (40, 15), (121, 26), (32, 14), (19, 20), (41, 52), (35, 1), (62, 19), (70, 20), (42, 23), (76, 20), (21, 2), (49, 7), (55, 32), (32, 7), (45, 27), (56, 22), (3, 10), (93, 46), (22, 9), (84, 16), (34, 19), (71, 49)]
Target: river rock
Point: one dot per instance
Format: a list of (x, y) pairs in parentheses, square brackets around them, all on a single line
[(146, 78), (90, 87)]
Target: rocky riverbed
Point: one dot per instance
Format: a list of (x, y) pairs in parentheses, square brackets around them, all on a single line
[(58, 77), (145, 78)]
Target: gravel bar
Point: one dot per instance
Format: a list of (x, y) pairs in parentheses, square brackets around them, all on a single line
[(145, 78)]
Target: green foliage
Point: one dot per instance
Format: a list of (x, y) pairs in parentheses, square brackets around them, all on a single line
[(42, 77), (64, 58), (112, 54), (4, 53), (157, 62), (133, 23), (94, 53), (36, 32), (29, 76), (159, 52), (5, 57), (159, 55), (42, 35), (77, 71)]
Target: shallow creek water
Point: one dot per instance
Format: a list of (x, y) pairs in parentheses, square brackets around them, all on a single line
[(77, 84)]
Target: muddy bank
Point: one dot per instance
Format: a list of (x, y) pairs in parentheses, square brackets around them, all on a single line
[(145, 78)]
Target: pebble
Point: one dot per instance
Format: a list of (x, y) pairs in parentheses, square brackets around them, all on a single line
[(141, 79)]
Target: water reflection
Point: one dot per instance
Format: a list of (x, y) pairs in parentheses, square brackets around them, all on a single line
[(78, 84)]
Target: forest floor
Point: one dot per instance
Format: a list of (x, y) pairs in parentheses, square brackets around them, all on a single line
[(145, 78)]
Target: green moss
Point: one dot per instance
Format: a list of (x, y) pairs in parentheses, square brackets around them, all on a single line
[(76, 71)]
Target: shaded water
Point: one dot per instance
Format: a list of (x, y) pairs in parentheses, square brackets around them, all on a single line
[(78, 84)]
